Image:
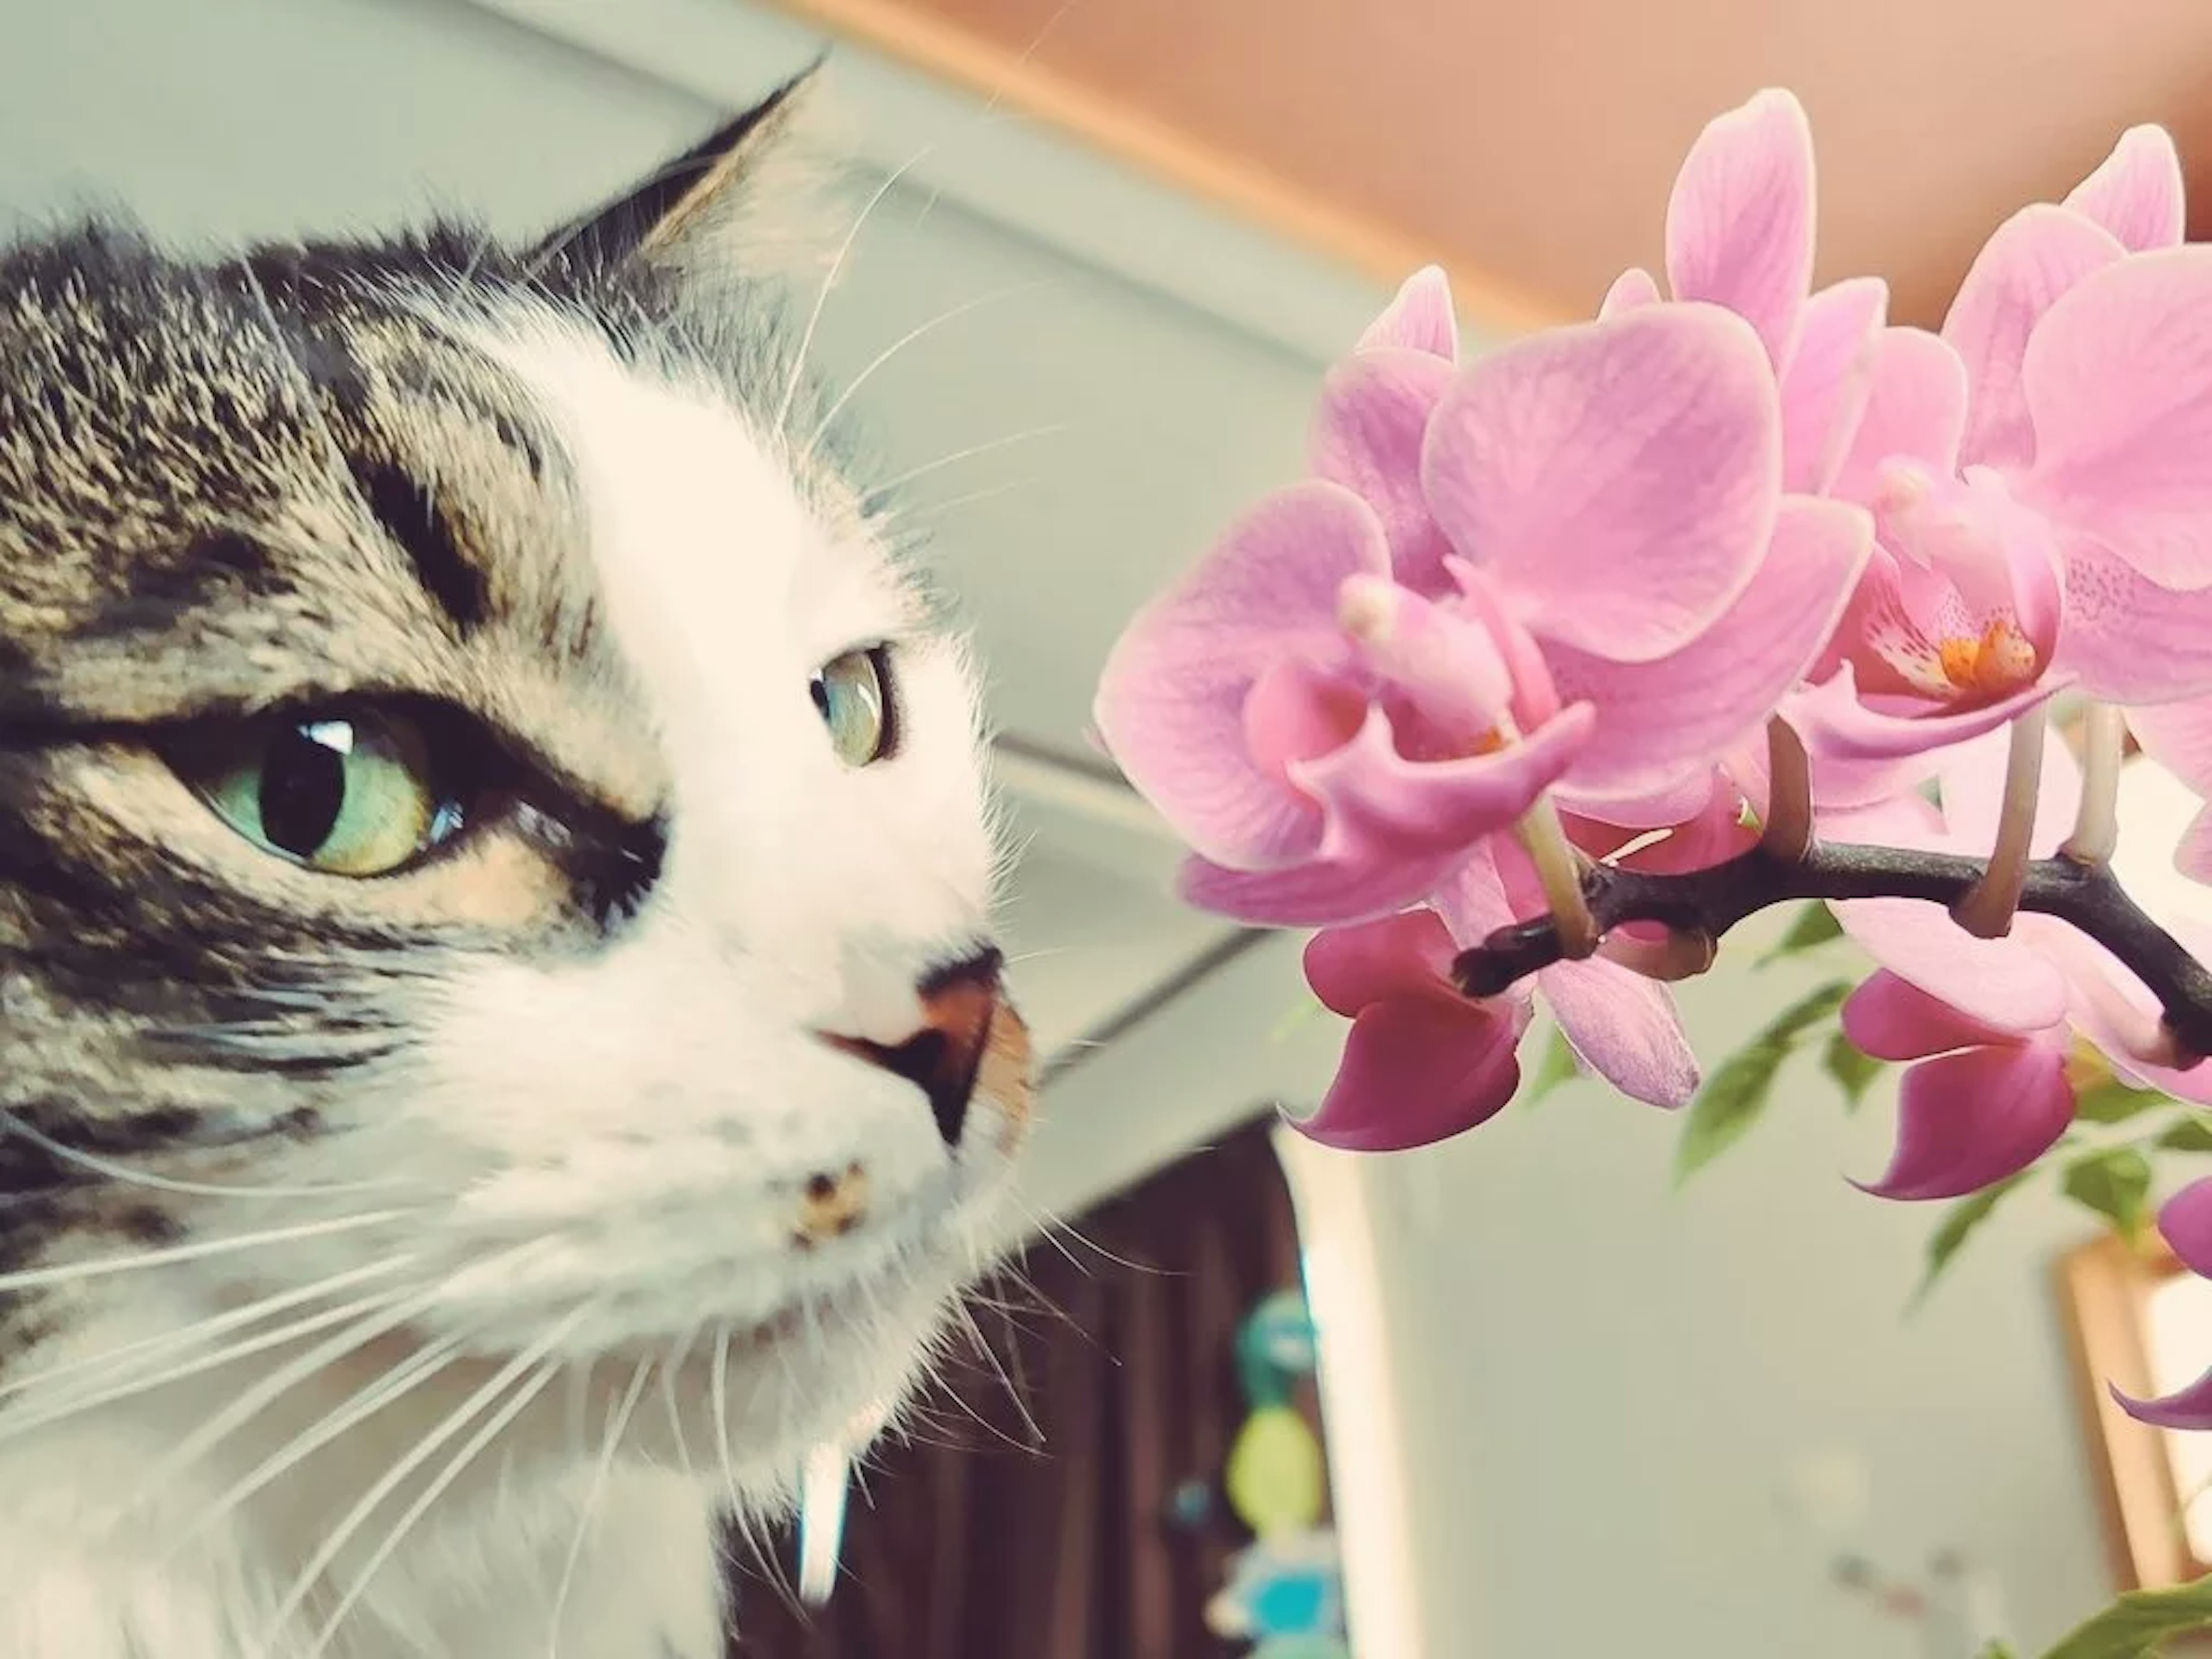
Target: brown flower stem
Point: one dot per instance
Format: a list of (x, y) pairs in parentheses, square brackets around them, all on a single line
[(1710, 902)]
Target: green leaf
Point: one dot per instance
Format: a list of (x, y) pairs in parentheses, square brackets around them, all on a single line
[(1959, 1224), (2114, 1102), (1735, 1095), (1816, 925), (1728, 1104), (1808, 1011), (2186, 1134), (2115, 1182), (1852, 1067), (2135, 1625), (1560, 1065)]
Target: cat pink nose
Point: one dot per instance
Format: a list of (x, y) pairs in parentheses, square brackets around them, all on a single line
[(961, 1006)]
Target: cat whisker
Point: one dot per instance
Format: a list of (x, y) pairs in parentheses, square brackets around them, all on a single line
[(192, 1335), (900, 481), (719, 1396), (528, 1374), (382, 1316), (618, 1417), (364, 1403), (12, 1125), (920, 514), (921, 330), (77, 1406), (829, 281), (333, 1543), (670, 1365), (73, 1273)]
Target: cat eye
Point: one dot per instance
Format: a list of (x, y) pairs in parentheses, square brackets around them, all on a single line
[(852, 693), (346, 792)]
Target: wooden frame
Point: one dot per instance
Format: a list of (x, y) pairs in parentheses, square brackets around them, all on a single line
[(2105, 1289)]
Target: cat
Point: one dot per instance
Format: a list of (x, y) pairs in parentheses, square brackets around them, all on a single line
[(501, 1049)]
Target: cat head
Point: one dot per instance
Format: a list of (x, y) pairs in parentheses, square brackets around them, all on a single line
[(494, 860)]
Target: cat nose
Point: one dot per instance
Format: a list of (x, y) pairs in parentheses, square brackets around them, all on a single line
[(960, 1003)]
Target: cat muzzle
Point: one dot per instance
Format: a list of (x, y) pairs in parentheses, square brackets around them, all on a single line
[(971, 1035)]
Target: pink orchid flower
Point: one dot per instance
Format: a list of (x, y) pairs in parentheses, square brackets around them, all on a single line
[(1623, 1025), (2179, 736), (1979, 1103), (1334, 709), (1422, 1063), (2186, 1222), (2042, 518), (1991, 1023), (1740, 234)]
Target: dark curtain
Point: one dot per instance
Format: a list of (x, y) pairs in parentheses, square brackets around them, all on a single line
[(1061, 1498)]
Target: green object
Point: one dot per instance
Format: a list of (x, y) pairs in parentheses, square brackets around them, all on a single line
[(1560, 1065), (2135, 1626), (1959, 1222), (2114, 1183), (1852, 1067), (2186, 1134), (1275, 1346), (1735, 1096), (1275, 1479), (2114, 1102), (1816, 926)]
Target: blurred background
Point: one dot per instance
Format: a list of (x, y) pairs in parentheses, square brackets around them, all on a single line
[(1568, 1410)]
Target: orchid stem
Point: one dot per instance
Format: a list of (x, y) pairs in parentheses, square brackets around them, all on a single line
[(2097, 825), (1788, 832), (1560, 872), (1986, 911)]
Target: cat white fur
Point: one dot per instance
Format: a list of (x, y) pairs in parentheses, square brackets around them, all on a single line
[(609, 1152)]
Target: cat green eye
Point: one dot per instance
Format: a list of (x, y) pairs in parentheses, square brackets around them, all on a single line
[(347, 793), (852, 693)]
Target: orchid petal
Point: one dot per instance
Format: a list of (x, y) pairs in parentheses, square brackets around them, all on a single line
[(1891, 1019), (1405, 955), (2193, 858), (2184, 1221), (2136, 193), (1970, 1119), (2117, 380), (1632, 287), (1416, 1072), (1661, 722), (2001, 983), (1616, 480), (1915, 407), (1170, 702), (2187, 1409), (1834, 722), (1826, 387), (2035, 257), (1624, 1027), (1374, 409), (1394, 829), (1419, 318), (2179, 736), (1739, 222), (2126, 638), (1970, 778)]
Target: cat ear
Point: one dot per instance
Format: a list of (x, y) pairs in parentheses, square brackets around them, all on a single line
[(752, 197)]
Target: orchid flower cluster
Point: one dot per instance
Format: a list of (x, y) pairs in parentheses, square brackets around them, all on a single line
[(1738, 571)]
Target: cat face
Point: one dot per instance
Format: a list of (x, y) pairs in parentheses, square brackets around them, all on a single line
[(495, 867)]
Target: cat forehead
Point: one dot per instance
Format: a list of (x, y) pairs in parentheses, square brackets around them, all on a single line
[(240, 485)]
